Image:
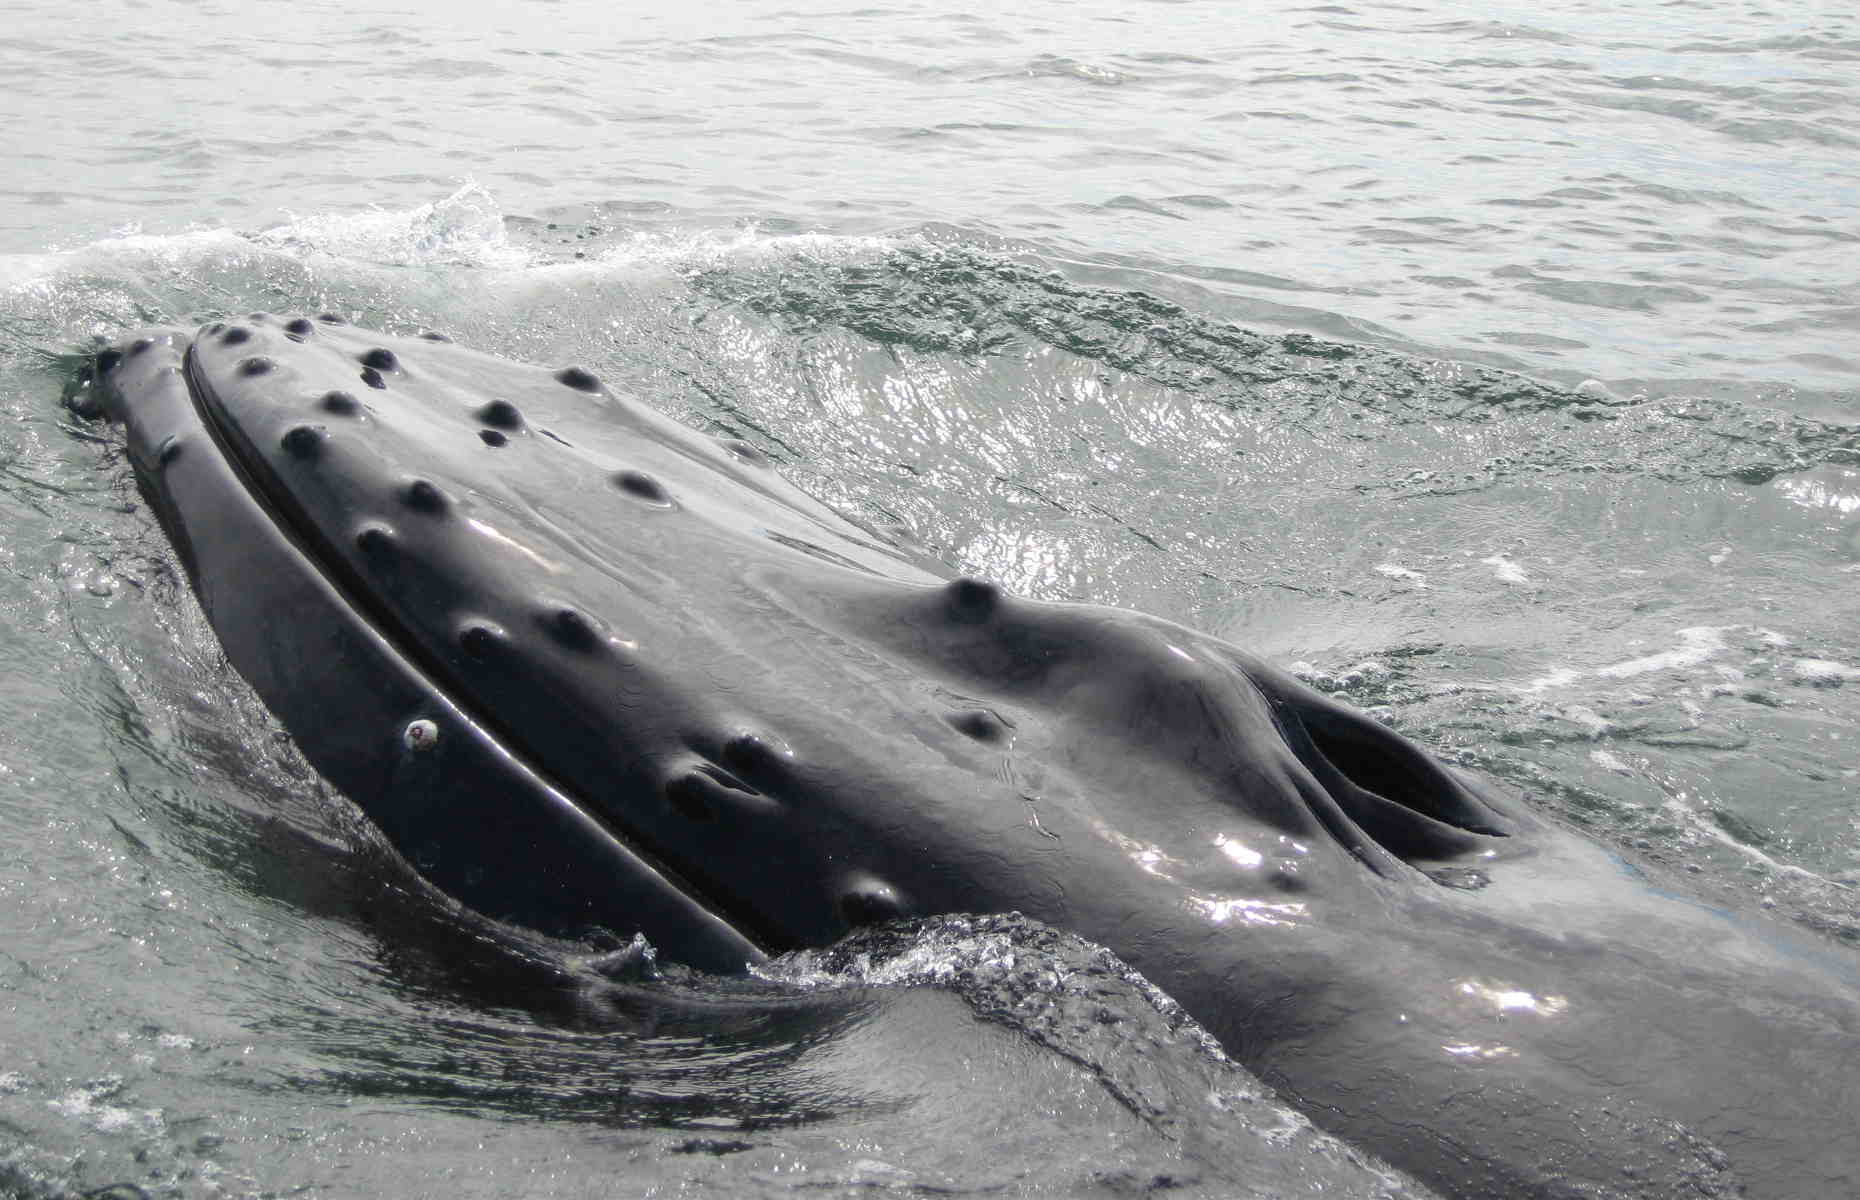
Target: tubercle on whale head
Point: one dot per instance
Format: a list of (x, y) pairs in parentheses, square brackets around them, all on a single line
[(97, 387)]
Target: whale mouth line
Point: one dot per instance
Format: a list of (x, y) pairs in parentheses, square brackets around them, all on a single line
[(296, 527)]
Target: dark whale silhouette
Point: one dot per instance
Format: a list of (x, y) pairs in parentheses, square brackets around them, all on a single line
[(587, 668)]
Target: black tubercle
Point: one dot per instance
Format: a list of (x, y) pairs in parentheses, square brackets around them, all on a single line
[(303, 442), (572, 629), (480, 639), (376, 541), (423, 496), (643, 486), (501, 414), (579, 378), (971, 600), (753, 756)]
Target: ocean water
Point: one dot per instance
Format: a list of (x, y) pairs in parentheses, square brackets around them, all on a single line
[(1493, 367)]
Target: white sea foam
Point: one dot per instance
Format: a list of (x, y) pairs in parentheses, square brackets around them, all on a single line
[(1610, 762), (1697, 645), (1402, 574), (1681, 807), (88, 1104), (464, 229), (1504, 570), (1823, 671)]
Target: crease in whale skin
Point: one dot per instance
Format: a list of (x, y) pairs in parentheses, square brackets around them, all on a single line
[(588, 668)]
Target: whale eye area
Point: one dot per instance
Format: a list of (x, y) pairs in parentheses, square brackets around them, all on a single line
[(492, 437), (373, 378)]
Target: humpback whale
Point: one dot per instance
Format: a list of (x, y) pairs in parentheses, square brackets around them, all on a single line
[(589, 669)]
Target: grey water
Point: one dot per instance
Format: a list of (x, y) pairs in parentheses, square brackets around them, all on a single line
[(1491, 365)]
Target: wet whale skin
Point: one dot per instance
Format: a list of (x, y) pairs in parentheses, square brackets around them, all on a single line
[(589, 669)]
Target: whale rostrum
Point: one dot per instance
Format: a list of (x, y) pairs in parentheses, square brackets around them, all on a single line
[(589, 669)]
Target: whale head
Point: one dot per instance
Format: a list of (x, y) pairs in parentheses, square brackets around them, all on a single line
[(787, 720)]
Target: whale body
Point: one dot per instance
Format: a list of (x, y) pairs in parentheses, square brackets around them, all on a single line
[(589, 669)]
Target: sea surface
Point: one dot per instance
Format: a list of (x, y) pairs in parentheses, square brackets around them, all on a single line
[(1495, 367)]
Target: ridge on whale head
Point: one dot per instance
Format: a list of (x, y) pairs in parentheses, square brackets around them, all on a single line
[(586, 667)]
